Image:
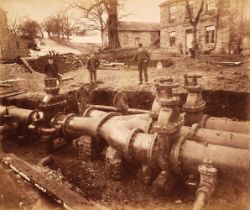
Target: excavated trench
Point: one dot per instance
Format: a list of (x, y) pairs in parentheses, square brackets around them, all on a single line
[(89, 178), (219, 103)]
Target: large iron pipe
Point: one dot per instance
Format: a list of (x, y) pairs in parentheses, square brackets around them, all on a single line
[(142, 121), (226, 124), (113, 109), (117, 136), (134, 123), (98, 113), (19, 114), (218, 137), (225, 159), (83, 125), (78, 126), (139, 145)]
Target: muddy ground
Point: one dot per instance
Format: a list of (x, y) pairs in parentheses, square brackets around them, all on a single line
[(89, 179), (215, 76)]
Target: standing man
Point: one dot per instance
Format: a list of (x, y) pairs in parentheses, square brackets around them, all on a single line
[(142, 58), (51, 70), (92, 64)]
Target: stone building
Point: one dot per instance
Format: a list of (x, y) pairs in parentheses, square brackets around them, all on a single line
[(11, 46), (132, 33), (222, 24)]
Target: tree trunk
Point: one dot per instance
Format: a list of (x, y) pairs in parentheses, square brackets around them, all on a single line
[(102, 37), (195, 43), (112, 24)]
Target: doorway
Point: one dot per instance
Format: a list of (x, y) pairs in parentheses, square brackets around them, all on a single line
[(189, 39), (137, 41)]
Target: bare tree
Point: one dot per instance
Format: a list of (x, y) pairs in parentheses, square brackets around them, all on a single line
[(68, 26), (14, 26), (194, 22), (94, 19), (111, 9), (30, 29), (48, 25)]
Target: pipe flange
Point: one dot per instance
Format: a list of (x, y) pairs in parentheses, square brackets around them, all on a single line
[(196, 108), (104, 119), (151, 147), (66, 122), (194, 89), (170, 127), (191, 134), (169, 101), (87, 111), (203, 120), (52, 105), (55, 119), (31, 117), (175, 154), (150, 126), (129, 142)]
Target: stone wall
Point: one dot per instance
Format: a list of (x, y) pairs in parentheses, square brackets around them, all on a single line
[(11, 46), (229, 21), (128, 38)]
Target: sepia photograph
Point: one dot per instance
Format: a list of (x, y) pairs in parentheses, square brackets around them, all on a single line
[(124, 104)]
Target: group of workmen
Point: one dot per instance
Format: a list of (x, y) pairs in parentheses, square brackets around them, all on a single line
[(142, 58)]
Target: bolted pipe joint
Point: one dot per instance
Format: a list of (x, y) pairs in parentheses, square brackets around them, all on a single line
[(194, 105), (208, 181)]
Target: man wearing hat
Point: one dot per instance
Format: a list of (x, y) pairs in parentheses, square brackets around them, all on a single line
[(51, 70), (92, 65), (142, 58)]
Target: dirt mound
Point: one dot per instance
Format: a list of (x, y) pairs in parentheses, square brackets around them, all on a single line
[(65, 62)]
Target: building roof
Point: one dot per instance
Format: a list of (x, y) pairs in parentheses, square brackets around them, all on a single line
[(167, 2), (138, 26)]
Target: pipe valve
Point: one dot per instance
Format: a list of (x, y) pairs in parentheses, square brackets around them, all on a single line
[(195, 104), (191, 82), (169, 119), (208, 181), (156, 107)]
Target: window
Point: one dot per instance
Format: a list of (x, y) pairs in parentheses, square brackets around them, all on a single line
[(191, 6), (125, 41), (172, 38), (210, 5), (172, 13), (210, 33), (137, 41)]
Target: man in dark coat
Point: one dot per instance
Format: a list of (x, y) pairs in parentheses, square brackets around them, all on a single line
[(51, 70), (142, 58), (92, 64)]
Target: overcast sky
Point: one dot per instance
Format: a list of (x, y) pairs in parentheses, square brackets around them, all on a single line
[(140, 10)]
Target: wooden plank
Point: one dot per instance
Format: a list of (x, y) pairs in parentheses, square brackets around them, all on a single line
[(67, 78), (59, 192), (7, 92), (11, 80), (6, 85), (117, 64), (27, 65), (12, 94)]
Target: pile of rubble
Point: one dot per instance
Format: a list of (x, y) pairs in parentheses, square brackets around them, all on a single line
[(65, 62)]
